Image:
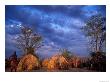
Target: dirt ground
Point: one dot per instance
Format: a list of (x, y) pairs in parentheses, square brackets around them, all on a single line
[(70, 70)]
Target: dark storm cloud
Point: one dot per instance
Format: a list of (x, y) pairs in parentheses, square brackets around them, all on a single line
[(58, 25), (23, 13), (68, 9)]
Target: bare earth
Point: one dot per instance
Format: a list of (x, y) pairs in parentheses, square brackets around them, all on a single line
[(70, 70)]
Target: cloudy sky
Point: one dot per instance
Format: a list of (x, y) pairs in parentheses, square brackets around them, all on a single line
[(60, 26)]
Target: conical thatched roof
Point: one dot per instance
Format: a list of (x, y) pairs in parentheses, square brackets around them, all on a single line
[(28, 63), (45, 63), (57, 62), (53, 63)]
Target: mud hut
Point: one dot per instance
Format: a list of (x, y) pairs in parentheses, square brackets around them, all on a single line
[(28, 63)]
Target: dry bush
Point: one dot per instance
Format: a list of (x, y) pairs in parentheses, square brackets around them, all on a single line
[(75, 62)]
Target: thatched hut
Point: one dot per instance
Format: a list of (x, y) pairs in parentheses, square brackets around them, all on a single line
[(63, 63), (53, 63), (28, 63), (45, 63), (57, 62)]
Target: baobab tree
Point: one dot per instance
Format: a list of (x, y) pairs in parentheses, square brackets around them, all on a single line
[(28, 40)]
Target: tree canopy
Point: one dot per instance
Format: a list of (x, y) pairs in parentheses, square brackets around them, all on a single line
[(95, 29), (28, 40)]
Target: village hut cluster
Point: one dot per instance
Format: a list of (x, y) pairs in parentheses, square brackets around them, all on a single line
[(58, 62), (31, 62)]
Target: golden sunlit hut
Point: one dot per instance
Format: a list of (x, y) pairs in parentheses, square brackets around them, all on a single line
[(28, 62)]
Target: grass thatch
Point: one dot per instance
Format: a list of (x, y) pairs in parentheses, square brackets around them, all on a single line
[(55, 63), (28, 63)]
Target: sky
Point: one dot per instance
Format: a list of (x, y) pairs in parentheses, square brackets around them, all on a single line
[(59, 25)]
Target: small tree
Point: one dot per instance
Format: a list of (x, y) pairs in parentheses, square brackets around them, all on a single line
[(28, 40)]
